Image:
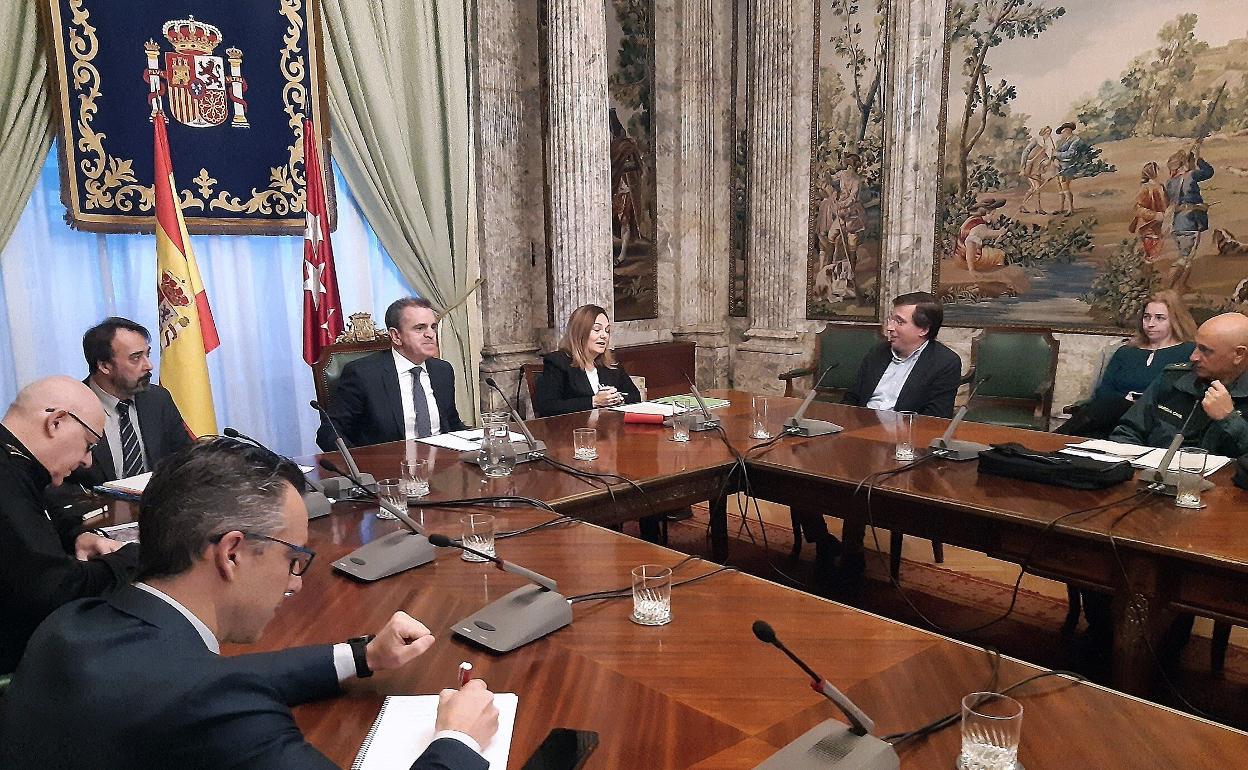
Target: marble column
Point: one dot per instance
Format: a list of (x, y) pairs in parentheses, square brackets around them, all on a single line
[(915, 69), (578, 166), (701, 200), (778, 171), (510, 226)]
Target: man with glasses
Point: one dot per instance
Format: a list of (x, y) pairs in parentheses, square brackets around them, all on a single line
[(47, 556), (142, 683)]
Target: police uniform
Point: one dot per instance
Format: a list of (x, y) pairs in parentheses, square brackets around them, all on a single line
[(38, 569), (1162, 409)]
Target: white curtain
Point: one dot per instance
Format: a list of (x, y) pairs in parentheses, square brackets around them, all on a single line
[(56, 282)]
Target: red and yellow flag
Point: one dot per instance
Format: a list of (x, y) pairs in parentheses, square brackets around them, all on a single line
[(187, 331), (322, 310)]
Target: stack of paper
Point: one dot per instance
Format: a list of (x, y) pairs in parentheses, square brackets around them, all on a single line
[(647, 407), (463, 440), (404, 729), (1140, 456), (132, 486), (688, 401)]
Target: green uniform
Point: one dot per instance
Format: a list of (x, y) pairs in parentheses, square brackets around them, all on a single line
[(1160, 412)]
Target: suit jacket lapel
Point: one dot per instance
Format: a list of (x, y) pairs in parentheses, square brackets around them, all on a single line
[(390, 384), (103, 460), (149, 427)]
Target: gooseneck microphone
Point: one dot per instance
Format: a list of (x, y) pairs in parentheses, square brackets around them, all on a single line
[(959, 451), (1163, 479), (831, 744), (361, 479), (800, 425), (527, 613), (314, 498), (388, 554), (532, 449)]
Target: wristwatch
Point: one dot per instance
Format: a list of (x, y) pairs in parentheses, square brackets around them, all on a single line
[(359, 645)]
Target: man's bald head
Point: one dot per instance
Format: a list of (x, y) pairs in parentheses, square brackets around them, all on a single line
[(1221, 348), (58, 419)]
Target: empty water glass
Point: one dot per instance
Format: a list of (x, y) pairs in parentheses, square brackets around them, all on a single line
[(652, 595), (991, 727), (1190, 476), (391, 492), (905, 437), (478, 535), (758, 423), (681, 421), (415, 477), (585, 444)]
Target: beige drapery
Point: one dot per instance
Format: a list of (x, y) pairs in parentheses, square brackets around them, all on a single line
[(25, 117), (397, 72)]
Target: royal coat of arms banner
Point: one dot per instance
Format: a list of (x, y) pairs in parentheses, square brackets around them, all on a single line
[(234, 81)]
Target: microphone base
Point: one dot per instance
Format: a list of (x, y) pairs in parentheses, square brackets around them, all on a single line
[(958, 451), (317, 503), (388, 555), (830, 745), (343, 488), (807, 427), (1167, 484), (522, 616), (525, 452)]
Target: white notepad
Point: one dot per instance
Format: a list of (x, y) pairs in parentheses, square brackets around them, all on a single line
[(404, 728)]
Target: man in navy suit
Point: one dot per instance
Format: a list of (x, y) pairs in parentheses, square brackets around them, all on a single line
[(136, 680), (142, 424), (908, 372), (406, 392)]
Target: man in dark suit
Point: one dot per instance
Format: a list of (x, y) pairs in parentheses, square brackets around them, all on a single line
[(136, 680), (406, 392), (48, 557), (908, 372), (142, 424)]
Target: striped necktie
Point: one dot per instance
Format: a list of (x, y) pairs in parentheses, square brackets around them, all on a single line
[(131, 452), (421, 405)]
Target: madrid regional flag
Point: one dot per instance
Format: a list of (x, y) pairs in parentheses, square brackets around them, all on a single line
[(187, 331), (322, 310)]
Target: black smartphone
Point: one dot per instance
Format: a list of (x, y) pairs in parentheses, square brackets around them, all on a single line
[(563, 749)]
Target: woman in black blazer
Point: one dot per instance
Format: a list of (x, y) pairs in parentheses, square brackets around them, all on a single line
[(583, 374)]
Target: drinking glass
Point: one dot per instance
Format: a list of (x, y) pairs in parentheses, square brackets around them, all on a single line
[(585, 444), (758, 423), (415, 477), (392, 491), (681, 421), (652, 595), (478, 534), (905, 437), (1190, 476), (498, 456), (991, 726)]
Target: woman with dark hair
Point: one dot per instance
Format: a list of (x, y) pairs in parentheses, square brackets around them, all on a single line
[(583, 374), (1163, 336)]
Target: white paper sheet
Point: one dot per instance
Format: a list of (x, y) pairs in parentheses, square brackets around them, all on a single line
[(404, 729)]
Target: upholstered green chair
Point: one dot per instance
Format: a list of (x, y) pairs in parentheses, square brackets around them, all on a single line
[(1016, 369), (360, 339), (843, 344)]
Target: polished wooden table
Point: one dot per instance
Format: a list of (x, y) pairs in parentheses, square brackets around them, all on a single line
[(701, 692)]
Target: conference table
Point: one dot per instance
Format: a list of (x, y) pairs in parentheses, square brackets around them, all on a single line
[(1172, 560)]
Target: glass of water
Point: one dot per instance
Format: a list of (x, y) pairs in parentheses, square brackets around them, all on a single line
[(1190, 476), (478, 535), (905, 437), (681, 421), (585, 444), (415, 477), (652, 595), (758, 422), (991, 727), (392, 492)]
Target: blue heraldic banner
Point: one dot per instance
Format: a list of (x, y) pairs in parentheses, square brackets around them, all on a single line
[(234, 80)]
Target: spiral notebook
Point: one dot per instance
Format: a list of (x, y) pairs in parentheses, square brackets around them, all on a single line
[(404, 728)]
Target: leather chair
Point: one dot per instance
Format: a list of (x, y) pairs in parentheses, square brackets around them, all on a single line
[(360, 339), (1017, 368), (843, 344)]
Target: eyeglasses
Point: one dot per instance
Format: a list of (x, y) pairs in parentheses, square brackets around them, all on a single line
[(90, 445), (299, 563)]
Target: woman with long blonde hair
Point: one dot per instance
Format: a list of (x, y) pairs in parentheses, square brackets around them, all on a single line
[(583, 373)]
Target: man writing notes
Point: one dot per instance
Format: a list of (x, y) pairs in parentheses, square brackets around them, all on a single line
[(46, 557), (406, 392), (136, 680), (142, 424), (908, 372)]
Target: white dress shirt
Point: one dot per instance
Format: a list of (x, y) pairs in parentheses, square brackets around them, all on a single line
[(344, 660), (592, 374), (405, 368), (893, 380), (112, 429)]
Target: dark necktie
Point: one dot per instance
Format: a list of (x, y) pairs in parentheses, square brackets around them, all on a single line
[(421, 405), (131, 453)]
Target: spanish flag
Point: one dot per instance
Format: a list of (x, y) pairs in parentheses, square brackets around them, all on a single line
[(187, 331)]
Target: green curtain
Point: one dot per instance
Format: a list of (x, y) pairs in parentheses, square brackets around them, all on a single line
[(398, 95), (25, 118)]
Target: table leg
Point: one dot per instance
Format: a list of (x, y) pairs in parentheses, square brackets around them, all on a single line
[(1140, 624)]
